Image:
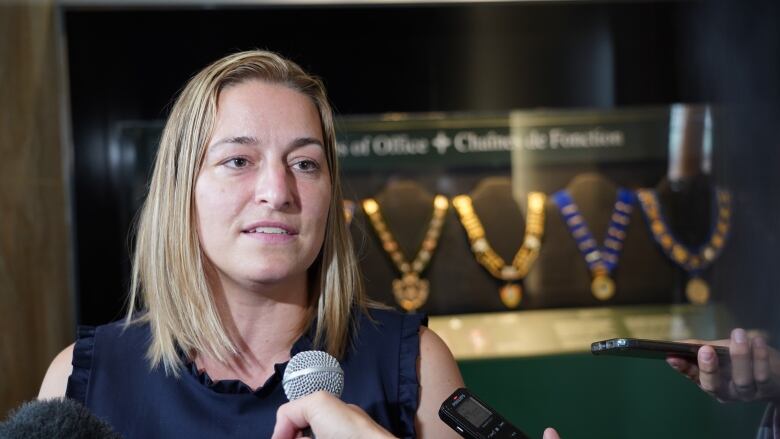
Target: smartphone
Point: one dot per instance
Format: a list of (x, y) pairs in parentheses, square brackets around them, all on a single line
[(635, 347), (473, 419)]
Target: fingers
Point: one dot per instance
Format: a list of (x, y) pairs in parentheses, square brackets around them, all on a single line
[(709, 370), (685, 367), (766, 384), (761, 370), (678, 364), (751, 372), (550, 433), (743, 385), (288, 422), (284, 428), (292, 418)]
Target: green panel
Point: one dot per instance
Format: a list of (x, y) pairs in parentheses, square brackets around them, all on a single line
[(456, 140), (604, 397), (538, 137), (581, 137)]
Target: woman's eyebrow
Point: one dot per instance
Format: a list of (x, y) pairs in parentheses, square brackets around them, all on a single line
[(250, 140), (240, 140), (303, 141)]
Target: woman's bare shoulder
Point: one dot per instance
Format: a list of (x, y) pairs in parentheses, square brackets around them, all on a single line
[(439, 376), (56, 380)]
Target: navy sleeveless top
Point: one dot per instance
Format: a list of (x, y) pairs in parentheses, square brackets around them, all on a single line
[(112, 377)]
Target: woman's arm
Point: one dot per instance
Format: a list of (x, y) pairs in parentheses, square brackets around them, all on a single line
[(56, 380), (439, 377)]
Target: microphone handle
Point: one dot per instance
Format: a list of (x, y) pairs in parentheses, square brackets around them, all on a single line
[(308, 433)]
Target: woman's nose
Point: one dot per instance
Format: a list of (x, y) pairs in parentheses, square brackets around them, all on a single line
[(275, 186)]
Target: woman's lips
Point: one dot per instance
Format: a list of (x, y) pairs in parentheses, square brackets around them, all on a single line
[(270, 232)]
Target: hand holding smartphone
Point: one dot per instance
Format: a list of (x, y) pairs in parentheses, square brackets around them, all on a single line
[(641, 348), (747, 370)]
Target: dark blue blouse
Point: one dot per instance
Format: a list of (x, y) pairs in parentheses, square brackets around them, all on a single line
[(111, 376)]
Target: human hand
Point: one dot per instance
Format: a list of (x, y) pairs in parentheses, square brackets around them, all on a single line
[(550, 433), (328, 417), (753, 372)]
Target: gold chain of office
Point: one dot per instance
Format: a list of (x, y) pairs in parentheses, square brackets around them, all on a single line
[(511, 293), (410, 291)]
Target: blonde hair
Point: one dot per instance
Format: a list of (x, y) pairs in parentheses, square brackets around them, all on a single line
[(169, 288)]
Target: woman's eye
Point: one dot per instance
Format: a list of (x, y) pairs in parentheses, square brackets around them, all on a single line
[(237, 162), (306, 165)]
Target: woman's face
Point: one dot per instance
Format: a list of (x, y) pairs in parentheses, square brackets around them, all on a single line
[(263, 190)]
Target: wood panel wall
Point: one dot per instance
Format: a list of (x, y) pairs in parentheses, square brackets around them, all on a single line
[(36, 304)]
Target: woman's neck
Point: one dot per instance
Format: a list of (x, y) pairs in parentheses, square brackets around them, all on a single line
[(263, 322)]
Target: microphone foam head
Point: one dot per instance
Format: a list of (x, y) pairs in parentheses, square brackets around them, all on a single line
[(55, 418), (312, 371)]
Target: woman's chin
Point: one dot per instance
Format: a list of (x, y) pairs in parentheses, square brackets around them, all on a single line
[(272, 280)]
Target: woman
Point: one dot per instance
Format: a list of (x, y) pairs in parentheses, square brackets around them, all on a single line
[(242, 259)]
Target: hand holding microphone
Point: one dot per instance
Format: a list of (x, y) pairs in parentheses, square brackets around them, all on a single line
[(313, 382), (328, 417)]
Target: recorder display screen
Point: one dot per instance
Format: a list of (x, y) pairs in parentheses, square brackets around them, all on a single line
[(473, 412)]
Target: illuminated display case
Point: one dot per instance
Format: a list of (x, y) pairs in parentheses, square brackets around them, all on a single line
[(401, 166), (421, 248)]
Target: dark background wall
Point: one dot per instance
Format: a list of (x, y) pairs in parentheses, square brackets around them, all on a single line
[(36, 305), (129, 65), (733, 58)]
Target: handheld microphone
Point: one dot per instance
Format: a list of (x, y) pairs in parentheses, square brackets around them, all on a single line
[(309, 372), (60, 418)]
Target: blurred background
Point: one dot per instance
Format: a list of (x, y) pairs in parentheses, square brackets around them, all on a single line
[(75, 74)]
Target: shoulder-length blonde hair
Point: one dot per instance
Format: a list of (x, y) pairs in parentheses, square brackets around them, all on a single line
[(169, 289)]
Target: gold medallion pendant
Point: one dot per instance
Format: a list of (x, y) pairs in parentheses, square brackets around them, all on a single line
[(511, 295), (697, 291), (410, 291), (602, 287)]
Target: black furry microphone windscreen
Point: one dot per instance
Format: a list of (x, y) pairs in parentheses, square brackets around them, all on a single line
[(54, 418)]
